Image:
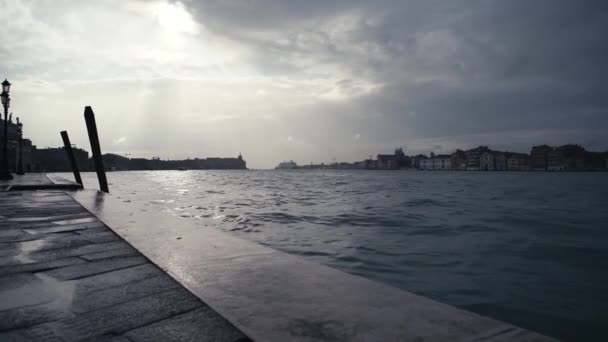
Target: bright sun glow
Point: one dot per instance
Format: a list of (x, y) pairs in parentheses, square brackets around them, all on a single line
[(174, 18)]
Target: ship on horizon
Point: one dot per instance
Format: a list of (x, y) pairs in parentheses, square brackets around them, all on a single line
[(287, 165)]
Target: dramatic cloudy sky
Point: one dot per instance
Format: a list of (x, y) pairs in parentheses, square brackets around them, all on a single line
[(308, 80)]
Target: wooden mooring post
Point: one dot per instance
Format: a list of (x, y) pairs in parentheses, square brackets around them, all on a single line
[(70, 152), (89, 117)]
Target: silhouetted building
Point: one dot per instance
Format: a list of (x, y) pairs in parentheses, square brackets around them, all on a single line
[(13, 147), (402, 160), (387, 161), (572, 158), (599, 160), (115, 162), (56, 159), (556, 160), (140, 164), (369, 164), (12, 130), (539, 157), (458, 160)]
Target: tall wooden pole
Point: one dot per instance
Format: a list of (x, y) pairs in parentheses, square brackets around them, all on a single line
[(70, 152), (89, 117)]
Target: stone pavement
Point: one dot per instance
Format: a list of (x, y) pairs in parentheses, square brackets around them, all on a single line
[(65, 276), (37, 181)]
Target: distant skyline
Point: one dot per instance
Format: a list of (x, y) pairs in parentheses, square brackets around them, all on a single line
[(308, 80)]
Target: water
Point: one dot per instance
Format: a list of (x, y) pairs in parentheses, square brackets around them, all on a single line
[(527, 248)]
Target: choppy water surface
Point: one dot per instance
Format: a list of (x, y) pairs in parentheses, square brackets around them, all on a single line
[(528, 248)]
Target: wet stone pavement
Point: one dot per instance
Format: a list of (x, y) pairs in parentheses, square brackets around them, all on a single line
[(65, 276)]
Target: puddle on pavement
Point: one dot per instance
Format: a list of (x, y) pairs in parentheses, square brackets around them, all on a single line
[(42, 289)]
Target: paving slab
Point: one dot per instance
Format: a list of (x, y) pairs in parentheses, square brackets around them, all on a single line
[(104, 281), (127, 315), (40, 266), (94, 267), (26, 316), (118, 294), (126, 251), (37, 181), (62, 228), (178, 328)]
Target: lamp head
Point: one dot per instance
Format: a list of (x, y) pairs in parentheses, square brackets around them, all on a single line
[(6, 86)]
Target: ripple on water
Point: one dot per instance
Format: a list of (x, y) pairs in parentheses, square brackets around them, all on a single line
[(421, 202)]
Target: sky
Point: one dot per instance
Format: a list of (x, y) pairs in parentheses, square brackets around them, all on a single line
[(309, 81)]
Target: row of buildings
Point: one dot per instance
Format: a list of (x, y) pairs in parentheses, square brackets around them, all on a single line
[(55, 159), (117, 162), (477, 159), (541, 158), (13, 146), (397, 160)]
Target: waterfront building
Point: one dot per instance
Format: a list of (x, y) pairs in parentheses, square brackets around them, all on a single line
[(369, 164), (518, 162), (500, 161), (599, 160), (216, 163), (416, 160), (458, 160), (426, 164), (387, 161), (56, 159), (473, 160), (116, 162), (556, 161), (361, 165), (13, 147), (13, 154), (12, 129), (141, 164), (571, 157), (436, 162), (402, 160), (539, 157), (486, 161), (442, 162)]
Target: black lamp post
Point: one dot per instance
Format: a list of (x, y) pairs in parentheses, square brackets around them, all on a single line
[(20, 134), (6, 102)]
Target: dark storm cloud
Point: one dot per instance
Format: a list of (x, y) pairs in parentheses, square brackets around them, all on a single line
[(448, 67)]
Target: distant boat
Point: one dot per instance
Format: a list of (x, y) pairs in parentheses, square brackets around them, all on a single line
[(287, 165), (181, 168)]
